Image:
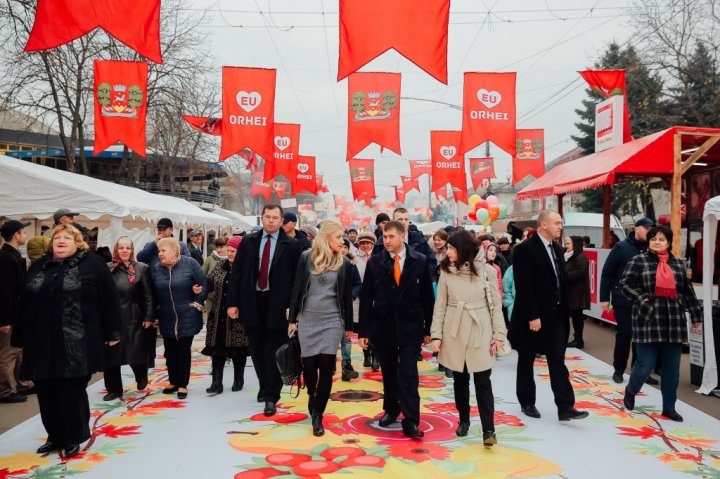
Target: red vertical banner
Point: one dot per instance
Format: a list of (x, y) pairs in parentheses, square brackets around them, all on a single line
[(399, 194), (248, 106), (529, 155), (448, 164), (362, 180), (120, 104), (279, 187), (460, 195), (610, 83), (489, 110), (419, 168), (373, 111), (409, 184), (305, 176), (286, 148), (260, 188), (481, 169), (442, 193)]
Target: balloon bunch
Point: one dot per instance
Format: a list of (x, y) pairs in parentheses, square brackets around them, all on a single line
[(485, 211)]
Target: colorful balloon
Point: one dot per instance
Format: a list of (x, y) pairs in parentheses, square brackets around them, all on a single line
[(494, 211), (472, 216), (503, 211), (472, 201), (492, 200), (483, 215), (481, 204)]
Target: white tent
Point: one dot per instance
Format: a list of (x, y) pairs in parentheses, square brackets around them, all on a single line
[(238, 221), (710, 223)]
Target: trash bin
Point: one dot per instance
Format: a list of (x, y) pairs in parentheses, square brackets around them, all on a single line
[(696, 371)]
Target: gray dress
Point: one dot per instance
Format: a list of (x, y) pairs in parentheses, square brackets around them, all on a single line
[(320, 328)]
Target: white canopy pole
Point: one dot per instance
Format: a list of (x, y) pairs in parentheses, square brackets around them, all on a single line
[(710, 373)]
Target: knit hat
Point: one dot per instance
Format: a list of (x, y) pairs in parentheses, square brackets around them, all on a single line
[(37, 246), (234, 241), (309, 231), (381, 217), (366, 236)]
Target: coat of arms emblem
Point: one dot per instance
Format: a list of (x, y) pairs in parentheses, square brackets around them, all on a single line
[(119, 100)]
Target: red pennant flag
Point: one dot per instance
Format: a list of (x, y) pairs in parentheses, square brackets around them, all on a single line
[(209, 125), (460, 195), (340, 202), (120, 104), (58, 22), (252, 159), (610, 83), (419, 168), (481, 169), (321, 186), (529, 157), (248, 105), (448, 163), (305, 179), (362, 179), (442, 193), (260, 188), (399, 194), (489, 110), (286, 146), (416, 30), (409, 184), (279, 187), (373, 112)]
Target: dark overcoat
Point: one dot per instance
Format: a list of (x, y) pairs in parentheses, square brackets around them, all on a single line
[(578, 274)]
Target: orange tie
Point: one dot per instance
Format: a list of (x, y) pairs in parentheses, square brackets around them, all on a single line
[(397, 271)]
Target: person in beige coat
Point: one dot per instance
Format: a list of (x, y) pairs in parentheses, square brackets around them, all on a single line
[(468, 328)]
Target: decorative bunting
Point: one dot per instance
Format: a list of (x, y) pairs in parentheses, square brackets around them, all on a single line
[(248, 105), (399, 194), (305, 179), (489, 111), (409, 184), (260, 188), (120, 104), (208, 125), (286, 148), (362, 180), (58, 22), (609, 83), (416, 30), (373, 112), (419, 168), (448, 163), (529, 157), (480, 169)]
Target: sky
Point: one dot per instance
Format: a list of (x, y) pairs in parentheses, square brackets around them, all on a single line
[(544, 41)]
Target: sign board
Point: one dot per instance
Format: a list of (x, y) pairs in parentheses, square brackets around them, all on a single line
[(695, 338), (305, 208), (609, 124), (288, 203), (597, 258)]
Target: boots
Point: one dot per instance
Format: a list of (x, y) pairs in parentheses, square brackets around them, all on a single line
[(239, 373), (217, 386), (348, 372), (374, 362), (366, 361), (317, 425)]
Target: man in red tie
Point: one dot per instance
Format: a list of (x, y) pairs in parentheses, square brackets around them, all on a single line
[(396, 306), (259, 296)]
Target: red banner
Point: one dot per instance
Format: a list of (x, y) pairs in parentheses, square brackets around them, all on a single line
[(460, 195), (120, 104), (248, 105), (399, 194), (362, 180), (321, 186), (529, 157), (448, 164), (286, 148), (373, 112), (481, 169), (610, 83), (259, 188), (419, 168), (408, 184), (489, 111), (279, 187), (442, 193), (211, 126), (58, 22), (305, 179), (416, 30)]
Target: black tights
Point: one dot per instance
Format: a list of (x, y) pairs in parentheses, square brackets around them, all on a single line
[(318, 373)]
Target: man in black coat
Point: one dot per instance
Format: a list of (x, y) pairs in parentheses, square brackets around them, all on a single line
[(539, 322), (195, 246), (259, 295), (414, 239), (396, 306), (288, 226)]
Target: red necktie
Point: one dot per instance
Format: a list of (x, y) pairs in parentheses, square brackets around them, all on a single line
[(264, 265)]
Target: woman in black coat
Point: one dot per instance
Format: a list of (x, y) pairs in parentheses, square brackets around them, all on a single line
[(134, 287), (71, 309), (577, 266)]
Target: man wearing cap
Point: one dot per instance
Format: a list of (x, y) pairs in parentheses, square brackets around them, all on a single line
[(12, 282), (195, 246), (149, 253), (612, 272), (63, 216), (288, 226), (352, 236)]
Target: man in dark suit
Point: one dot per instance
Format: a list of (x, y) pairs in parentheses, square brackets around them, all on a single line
[(259, 295), (539, 322), (196, 246), (396, 306)]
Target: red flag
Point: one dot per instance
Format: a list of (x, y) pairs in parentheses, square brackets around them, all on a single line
[(460, 195), (321, 186), (252, 160), (399, 194), (305, 179), (209, 125), (416, 30), (480, 169), (362, 179), (279, 187), (442, 193), (419, 168), (409, 184), (58, 22), (610, 83), (488, 110), (286, 146), (120, 104), (259, 188), (448, 163), (529, 157), (373, 112), (248, 105)]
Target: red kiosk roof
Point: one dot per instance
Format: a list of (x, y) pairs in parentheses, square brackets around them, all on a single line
[(649, 156)]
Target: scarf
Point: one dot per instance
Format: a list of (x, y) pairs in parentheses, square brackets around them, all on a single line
[(665, 286), (129, 267)]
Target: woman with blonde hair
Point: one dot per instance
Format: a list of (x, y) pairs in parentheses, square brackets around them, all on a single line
[(321, 310)]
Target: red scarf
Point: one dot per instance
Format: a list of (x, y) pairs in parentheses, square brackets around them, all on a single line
[(665, 286)]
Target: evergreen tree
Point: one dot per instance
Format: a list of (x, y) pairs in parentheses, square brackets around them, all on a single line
[(696, 100)]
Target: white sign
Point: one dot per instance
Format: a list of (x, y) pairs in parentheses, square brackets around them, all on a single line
[(695, 338), (248, 101), (288, 203), (609, 123)]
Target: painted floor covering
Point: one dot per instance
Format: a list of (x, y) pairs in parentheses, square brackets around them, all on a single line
[(152, 435)]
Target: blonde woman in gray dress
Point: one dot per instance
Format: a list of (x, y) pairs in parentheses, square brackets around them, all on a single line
[(321, 311)]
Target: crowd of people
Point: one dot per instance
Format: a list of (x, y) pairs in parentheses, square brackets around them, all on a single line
[(467, 296)]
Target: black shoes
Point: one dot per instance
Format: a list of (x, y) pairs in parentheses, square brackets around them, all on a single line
[(572, 413), (170, 390), (111, 397), (260, 397), (182, 394), (652, 381), (375, 364), (366, 360), (531, 411), (270, 408), (13, 398), (317, 425), (576, 344), (441, 368), (348, 372), (72, 450), (411, 430), (489, 438), (216, 387), (448, 373), (48, 447), (617, 377), (142, 385), (387, 419), (28, 391), (238, 384), (672, 415), (629, 400), (462, 429)]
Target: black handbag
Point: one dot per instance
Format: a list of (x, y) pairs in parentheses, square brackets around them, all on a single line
[(289, 363)]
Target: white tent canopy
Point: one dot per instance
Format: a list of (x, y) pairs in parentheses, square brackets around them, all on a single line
[(238, 221), (711, 215)]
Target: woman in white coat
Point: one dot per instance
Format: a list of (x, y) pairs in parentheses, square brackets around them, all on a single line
[(468, 328)]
